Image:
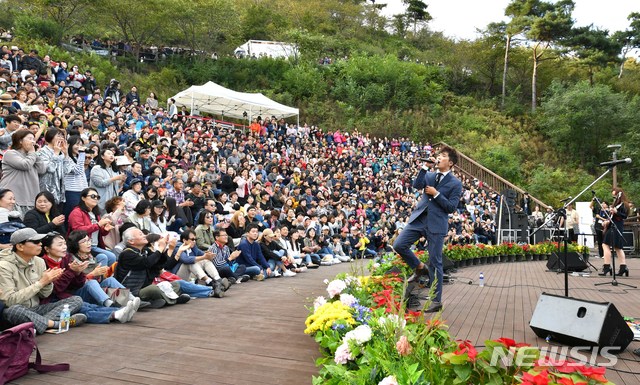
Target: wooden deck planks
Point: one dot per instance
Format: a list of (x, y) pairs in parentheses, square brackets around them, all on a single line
[(255, 334)]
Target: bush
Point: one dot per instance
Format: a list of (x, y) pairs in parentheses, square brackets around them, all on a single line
[(38, 28)]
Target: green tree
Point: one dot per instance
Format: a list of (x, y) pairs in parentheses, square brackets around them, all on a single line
[(593, 48), (581, 120), (628, 39), (140, 23), (543, 24), (417, 11), (204, 24)]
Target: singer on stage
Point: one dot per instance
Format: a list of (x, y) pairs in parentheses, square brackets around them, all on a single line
[(441, 195), (612, 233)]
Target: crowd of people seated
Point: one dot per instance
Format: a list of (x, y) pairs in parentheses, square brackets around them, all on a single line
[(101, 191)]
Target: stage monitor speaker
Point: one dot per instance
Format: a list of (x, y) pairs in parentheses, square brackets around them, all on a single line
[(575, 261), (447, 264), (541, 236), (629, 241), (576, 322)]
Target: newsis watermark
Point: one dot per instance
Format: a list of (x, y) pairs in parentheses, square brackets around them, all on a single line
[(555, 355)]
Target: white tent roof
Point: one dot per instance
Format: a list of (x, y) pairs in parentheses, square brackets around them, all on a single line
[(215, 99)]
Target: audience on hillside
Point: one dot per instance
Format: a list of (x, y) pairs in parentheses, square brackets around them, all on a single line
[(135, 177)]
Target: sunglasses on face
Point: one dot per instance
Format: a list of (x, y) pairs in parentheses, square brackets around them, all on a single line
[(94, 196), (191, 239)]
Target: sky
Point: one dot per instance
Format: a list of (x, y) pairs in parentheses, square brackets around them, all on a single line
[(460, 18)]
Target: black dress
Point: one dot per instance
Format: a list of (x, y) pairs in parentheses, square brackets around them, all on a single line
[(611, 236)]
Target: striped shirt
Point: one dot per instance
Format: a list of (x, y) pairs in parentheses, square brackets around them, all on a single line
[(221, 254), (76, 180)]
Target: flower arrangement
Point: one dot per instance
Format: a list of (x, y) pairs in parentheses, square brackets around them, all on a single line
[(368, 337)]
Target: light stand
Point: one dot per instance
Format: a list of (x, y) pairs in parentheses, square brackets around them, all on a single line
[(614, 236)]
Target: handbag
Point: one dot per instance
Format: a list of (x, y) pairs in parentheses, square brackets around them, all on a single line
[(117, 295), (16, 346)]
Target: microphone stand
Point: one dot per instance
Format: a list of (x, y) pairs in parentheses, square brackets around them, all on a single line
[(563, 209), (614, 236)]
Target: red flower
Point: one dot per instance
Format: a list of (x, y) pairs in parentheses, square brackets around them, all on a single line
[(466, 347), (593, 372), (508, 342), (540, 379), (569, 381)]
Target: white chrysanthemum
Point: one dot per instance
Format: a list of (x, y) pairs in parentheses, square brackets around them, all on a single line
[(343, 354), (359, 335), (390, 380), (347, 299), (336, 287)]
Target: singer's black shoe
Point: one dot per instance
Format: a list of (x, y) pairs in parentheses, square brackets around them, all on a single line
[(623, 271), (434, 307), (606, 269), (415, 277)]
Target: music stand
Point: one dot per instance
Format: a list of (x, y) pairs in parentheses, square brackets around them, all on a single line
[(614, 236)]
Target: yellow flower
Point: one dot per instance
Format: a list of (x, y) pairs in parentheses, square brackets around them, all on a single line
[(324, 317)]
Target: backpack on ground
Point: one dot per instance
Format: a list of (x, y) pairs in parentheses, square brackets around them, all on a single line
[(16, 346)]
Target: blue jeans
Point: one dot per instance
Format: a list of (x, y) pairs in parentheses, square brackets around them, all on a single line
[(97, 314), (104, 257), (92, 291), (176, 226), (72, 198), (194, 290), (273, 264), (411, 233), (325, 250), (253, 270)]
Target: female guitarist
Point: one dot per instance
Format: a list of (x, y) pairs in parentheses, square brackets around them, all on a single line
[(612, 232)]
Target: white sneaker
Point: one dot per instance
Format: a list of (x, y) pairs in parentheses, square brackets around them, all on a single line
[(288, 273), (336, 260), (276, 274), (125, 314)]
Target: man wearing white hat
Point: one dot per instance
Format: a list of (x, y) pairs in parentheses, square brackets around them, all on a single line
[(24, 280)]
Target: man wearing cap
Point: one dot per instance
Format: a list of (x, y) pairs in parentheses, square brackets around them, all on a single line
[(24, 280), (133, 196), (441, 194)]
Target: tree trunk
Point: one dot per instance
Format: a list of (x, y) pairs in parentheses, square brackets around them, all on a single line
[(534, 80), (505, 69), (621, 69)]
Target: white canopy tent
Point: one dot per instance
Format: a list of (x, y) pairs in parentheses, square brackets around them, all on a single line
[(215, 99)]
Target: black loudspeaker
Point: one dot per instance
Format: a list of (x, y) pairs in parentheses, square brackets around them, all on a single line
[(575, 261), (447, 264), (540, 236), (576, 322), (514, 221), (629, 241), (510, 198)]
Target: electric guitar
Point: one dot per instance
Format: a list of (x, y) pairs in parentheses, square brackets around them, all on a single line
[(612, 210)]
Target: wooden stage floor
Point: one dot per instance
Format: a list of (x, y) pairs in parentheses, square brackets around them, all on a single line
[(255, 334)]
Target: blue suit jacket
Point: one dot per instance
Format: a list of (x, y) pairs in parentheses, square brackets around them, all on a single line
[(439, 208)]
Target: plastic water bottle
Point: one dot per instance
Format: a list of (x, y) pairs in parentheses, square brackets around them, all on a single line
[(65, 318), (481, 280)]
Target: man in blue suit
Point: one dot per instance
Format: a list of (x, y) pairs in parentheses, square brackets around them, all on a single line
[(441, 195)]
